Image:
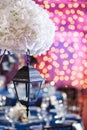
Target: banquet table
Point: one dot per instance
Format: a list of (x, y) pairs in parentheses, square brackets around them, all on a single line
[(74, 119), (12, 99), (40, 122)]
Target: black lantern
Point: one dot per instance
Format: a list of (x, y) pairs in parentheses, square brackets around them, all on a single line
[(27, 83)]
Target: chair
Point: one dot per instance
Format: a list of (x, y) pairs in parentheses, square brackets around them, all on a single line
[(73, 99), (59, 127)]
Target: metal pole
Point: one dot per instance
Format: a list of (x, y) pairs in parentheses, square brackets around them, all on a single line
[(28, 85)]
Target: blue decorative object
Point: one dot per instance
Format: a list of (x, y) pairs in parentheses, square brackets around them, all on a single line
[(27, 83)]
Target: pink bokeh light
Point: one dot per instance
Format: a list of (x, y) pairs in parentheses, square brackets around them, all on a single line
[(66, 61)]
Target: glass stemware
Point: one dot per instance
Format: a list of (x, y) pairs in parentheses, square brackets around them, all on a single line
[(9, 117), (45, 114), (60, 109), (2, 100)]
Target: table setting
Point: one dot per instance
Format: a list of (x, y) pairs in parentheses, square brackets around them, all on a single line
[(50, 119), (52, 112), (25, 29)]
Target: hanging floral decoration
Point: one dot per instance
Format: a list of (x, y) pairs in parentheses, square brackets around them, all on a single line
[(25, 25)]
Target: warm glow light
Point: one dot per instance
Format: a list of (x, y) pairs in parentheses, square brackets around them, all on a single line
[(56, 78), (85, 81), (42, 6), (85, 28), (72, 77), (74, 73), (70, 49), (55, 64), (57, 28), (66, 78), (79, 26), (75, 34), (84, 48), (47, 6), (49, 60), (70, 5), (49, 67), (72, 61), (84, 86), (62, 28), (61, 78), (84, 40), (67, 11), (66, 61), (62, 50), (39, 0), (81, 34), (45, 2), (53, 49), (53, 5), (75, 56), (85, 64), (81, 82), (62, 72), (63, 56), (65, 67), (56, 20), (76, 46), (72, 11), (75, 5), (47, 75), (75, 82), (63, 22), (56, 44), (57, 71), (61, 5), (81, 68), (44, 70), (75, 17), (54, 57), (42, 64), (81, 54), (56, 11), (45, 58), (70, 19), (60, 13), (81, 19), (71, 27), (83, 5), (65, 44), (68, 71), (79, 75)]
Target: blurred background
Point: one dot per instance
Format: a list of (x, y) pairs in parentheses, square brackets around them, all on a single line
[(65, 64)]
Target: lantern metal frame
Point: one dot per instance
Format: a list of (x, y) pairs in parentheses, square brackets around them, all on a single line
[(28, 75)]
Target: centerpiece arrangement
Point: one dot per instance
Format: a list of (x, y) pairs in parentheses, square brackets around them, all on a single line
[(25, 25), (25, 28)]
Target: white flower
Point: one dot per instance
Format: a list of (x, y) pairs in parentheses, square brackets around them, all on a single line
[(25, 25)]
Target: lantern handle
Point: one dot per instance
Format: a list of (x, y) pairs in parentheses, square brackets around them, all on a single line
[(28, 58)]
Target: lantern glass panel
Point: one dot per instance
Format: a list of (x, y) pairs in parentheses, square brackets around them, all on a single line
[(36, 86), (33, 90), (21, 90)]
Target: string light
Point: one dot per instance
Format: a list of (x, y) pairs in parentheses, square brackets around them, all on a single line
[(60, 63)]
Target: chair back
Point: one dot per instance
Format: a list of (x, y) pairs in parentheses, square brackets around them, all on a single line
[(73, 96), (59, 127)]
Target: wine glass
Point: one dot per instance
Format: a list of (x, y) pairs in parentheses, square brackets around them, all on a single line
[(44, 112), (9, 117), (61, 111), (2, 100)]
